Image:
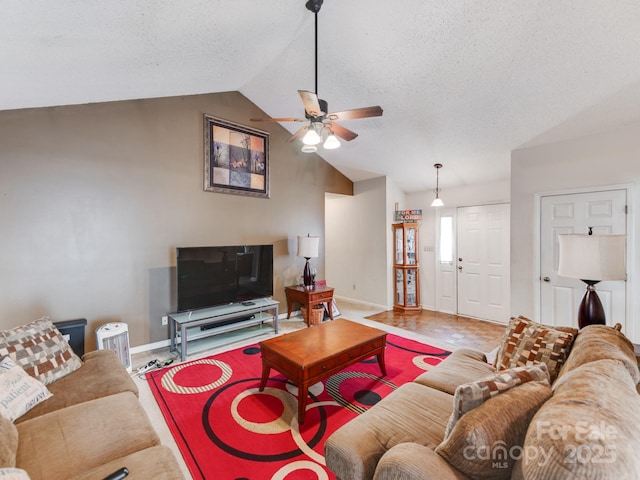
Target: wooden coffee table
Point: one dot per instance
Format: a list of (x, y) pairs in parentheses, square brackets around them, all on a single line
[(307, 356)]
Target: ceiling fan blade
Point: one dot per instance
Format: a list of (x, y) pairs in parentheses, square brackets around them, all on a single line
[(301, 131), (311, 104), (288, 119), (342, 132), (364, 112)]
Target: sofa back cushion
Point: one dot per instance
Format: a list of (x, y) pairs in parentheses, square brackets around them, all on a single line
[(8, 442), (590, 428), (40, 349), (526, 342), (597, 342), (486, 442)]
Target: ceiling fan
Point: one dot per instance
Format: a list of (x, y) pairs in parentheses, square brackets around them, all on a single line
[(321, 123)]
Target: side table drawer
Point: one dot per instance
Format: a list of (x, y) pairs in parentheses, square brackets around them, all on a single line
[(321, 296)]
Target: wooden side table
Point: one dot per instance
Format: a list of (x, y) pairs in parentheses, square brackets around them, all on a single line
[(309, 297)]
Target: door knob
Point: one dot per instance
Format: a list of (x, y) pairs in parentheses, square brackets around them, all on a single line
[(459, 259), (460, 267), (546, 279)]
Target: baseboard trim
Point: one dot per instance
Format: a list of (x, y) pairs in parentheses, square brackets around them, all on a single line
[(362, 302)]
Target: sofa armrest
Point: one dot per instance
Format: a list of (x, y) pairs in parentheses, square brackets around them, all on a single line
[(412, 461), (462, 366), (411, 413)]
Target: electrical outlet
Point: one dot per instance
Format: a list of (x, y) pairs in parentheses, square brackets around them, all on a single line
[(165, 320)]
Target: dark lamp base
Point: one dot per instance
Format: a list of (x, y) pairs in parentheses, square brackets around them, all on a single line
[(306, 276), (591, 311)]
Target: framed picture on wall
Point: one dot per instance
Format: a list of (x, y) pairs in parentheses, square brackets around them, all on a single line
[(236, 158)]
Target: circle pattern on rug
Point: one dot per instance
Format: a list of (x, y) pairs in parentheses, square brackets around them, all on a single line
[(422, 361), (335, 381), (169, 384), (292, 467), (367, 397), (278, 425)]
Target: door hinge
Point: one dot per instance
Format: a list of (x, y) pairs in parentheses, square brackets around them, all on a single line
[(626, 209)]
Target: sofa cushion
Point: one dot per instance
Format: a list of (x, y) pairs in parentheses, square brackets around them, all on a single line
[(156, 463), (19, 392), (412, 413), (471, 395), (40, 349), (101, 374), (526, 342), (8, 442), (412, 461), (486, 442), (65, 443), (589, 428), (13, 474), (462, 366), (597, 342)]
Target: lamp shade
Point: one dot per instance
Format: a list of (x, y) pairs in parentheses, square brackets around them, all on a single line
[(592, 257), (308, 246)]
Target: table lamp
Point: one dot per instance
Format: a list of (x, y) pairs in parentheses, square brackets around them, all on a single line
[(308, 248), (592, 259)]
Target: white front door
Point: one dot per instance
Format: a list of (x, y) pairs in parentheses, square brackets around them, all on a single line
[(483, 262), (605, 213)]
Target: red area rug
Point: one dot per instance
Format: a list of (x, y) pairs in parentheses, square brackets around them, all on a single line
[(227, 429)]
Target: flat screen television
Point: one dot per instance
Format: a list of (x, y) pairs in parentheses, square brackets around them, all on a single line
[(218, 275)]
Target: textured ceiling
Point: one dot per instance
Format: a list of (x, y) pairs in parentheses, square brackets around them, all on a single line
[(461, 82)]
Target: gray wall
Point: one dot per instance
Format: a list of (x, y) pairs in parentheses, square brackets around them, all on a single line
[(95, 198)]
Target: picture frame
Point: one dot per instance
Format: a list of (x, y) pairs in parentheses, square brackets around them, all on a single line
[(334, 309), (236, 158)]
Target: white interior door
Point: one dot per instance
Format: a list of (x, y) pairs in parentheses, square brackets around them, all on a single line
[(483, 262), (446, 280), (605, 212)]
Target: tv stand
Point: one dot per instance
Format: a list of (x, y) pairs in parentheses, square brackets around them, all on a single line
[(185, 327)]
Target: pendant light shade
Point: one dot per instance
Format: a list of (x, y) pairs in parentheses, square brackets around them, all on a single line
[(437, 202)]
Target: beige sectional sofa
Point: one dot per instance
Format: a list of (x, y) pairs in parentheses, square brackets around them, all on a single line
[(562, 405), (91, 426)]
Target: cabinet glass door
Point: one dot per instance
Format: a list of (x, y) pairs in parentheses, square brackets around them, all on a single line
[(411, 246), (399, 246), (411, 288), (399, 287)]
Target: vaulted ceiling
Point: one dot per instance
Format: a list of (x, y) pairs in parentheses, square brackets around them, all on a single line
[(461, 82)]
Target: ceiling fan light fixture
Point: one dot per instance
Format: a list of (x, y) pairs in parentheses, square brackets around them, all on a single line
[(331, 142), (309, 149), (312, 137)]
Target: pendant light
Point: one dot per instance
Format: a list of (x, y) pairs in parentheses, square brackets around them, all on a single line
[(436, 201)]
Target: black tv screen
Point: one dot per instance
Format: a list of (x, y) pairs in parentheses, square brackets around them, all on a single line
[(210, 276)]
